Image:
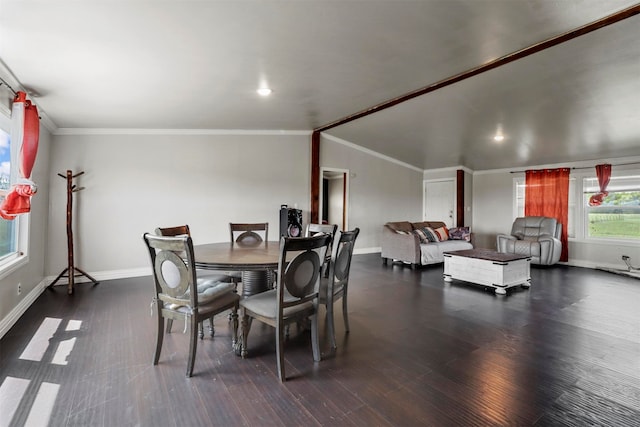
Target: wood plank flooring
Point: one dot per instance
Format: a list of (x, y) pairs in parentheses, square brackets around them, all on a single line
[(420, 353)]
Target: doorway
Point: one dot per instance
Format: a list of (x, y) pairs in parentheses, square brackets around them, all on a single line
[(440, 201), (334, 196)]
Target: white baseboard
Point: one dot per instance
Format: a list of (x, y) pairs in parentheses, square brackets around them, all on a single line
[(9, 320)]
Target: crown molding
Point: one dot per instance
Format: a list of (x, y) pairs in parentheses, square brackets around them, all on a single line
[(125, 131)]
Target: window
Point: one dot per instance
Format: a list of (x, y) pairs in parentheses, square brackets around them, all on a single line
[(618, 217), (8, 241), (13, 234)]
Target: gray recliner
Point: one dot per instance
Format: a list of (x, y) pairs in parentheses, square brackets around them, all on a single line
[(534, 236)]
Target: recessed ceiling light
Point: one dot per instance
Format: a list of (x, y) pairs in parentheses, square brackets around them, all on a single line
[(498, 138), (264, 91)]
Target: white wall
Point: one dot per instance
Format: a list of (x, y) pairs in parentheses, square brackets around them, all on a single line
[(380, 190), (135, 183), (492, 207)]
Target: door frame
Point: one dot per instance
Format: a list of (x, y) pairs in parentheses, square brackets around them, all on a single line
[(345, 194)]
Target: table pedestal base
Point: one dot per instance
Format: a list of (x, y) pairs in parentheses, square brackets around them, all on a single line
[(254, 282)]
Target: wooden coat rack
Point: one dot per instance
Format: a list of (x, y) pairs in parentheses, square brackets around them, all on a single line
[(71, 271)]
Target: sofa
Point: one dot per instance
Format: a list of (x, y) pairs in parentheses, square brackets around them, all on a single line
[(404, 241), (534, 236)]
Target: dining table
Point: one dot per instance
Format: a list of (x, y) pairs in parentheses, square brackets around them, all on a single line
[(256, 262)]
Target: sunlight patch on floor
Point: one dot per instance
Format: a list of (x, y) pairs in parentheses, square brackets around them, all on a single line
[(40, 341), (43, 405), (13, 390)]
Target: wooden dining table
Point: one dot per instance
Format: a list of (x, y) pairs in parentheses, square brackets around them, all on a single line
[(256, 262)]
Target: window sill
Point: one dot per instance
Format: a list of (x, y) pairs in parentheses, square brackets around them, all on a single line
[(12, 264)]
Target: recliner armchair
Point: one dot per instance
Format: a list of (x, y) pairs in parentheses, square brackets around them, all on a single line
[(534, 236)]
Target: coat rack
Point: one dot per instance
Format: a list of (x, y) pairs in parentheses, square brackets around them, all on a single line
[(71, 271)]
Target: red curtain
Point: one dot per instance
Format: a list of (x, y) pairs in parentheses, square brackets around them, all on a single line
[(25, 132), (604, 175), (547, 194)]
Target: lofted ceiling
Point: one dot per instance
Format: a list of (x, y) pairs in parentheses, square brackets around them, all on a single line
[(191, 65)]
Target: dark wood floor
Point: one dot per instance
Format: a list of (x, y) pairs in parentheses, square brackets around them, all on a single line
[(564, 352)]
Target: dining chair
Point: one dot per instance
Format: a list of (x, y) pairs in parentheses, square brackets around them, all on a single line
[(202, 276), (246, 234), (179, 297), (330, 229), (294, 299), (336, 285), (313, 229)]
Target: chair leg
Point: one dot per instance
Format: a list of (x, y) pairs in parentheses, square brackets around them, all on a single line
[(280, 351), (246, 325), (345, 316), (315, 341), (235, 282), (169, 324), (193, 345), (212, 329), (159, 337), (233, 318), (201, 330), (331, 325)]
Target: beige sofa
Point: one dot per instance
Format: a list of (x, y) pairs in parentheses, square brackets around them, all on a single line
[(398, 246)]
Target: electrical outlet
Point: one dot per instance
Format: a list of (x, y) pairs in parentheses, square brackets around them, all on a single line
[(19, 288)]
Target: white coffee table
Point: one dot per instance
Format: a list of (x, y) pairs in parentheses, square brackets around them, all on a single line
[(488, 268)]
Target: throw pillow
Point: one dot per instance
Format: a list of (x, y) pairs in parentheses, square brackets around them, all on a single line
[(460, 233), (443, 233), (421, 235), (402, 232), (430, 234)]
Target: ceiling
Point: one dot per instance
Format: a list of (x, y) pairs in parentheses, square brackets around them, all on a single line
[(197, 64)]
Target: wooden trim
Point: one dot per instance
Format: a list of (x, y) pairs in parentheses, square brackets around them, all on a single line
[(514, 56), (460, 198), (315, 177)]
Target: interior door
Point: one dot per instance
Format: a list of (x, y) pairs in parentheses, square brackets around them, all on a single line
[(440, 201)]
